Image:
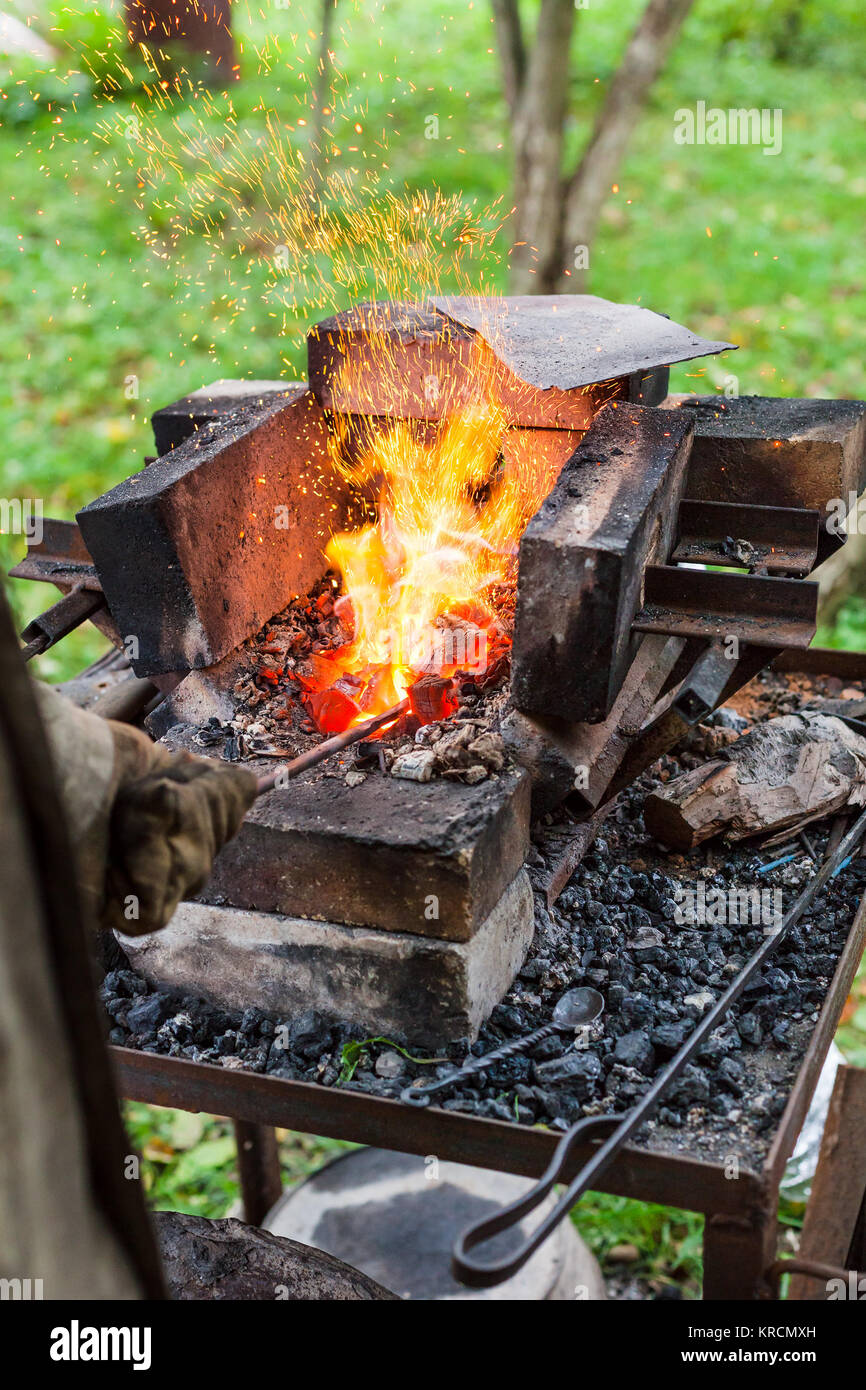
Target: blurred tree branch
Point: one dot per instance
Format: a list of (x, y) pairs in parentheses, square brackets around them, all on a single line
[(557, 212)]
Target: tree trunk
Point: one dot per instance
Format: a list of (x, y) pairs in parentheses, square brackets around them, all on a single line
[(626, 97), (322, 106), (555, 216), (538, 126)]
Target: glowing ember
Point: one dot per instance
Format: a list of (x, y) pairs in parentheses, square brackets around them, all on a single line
[(427, 588)]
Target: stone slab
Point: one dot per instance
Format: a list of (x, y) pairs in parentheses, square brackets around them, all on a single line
[(427, 859), (428, 990)]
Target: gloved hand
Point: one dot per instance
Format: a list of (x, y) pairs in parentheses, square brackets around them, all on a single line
[(165, 830), (145, 823)]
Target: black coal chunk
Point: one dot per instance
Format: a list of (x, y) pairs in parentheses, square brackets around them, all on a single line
[(635, 1050)]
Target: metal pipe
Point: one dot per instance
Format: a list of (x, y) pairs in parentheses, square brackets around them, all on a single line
[(60, 619)]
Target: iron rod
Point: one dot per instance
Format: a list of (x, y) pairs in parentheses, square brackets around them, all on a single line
[(322, 751)]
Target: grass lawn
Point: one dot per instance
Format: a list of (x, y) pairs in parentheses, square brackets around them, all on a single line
[(116, 296)]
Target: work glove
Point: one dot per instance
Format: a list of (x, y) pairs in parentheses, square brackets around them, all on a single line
[(145, 823), (166, 829)]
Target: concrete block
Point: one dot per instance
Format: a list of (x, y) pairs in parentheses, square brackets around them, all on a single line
[(426, 859), (431, 991)]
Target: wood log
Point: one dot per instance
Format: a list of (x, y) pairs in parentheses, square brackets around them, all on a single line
[(783, 774), (228, 1260)]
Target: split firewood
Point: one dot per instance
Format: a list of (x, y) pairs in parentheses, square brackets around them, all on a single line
[(782, 775)]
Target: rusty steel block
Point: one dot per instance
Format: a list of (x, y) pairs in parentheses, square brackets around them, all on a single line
[(406, 362), (775, 452), (200, 549), (582, 560)]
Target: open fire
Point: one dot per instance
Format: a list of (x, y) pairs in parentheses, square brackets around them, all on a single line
[(428, 587)]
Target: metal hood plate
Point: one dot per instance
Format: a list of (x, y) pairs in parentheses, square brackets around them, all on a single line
[(569, 340)]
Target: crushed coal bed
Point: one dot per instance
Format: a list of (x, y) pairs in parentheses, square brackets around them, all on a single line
[(618, 927)]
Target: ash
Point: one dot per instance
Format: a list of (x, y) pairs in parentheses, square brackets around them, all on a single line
[(618, 926)]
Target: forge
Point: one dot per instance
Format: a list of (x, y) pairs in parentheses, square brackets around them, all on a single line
[(491, 509)]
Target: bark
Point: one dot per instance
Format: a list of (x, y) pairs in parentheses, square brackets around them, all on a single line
[(200, 26), (781, 776), (322, 100), (591, 182), (512, 52), (538, 130), (226, 1260), (555, 213)]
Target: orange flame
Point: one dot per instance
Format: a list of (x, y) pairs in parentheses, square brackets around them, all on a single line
[(424, 586)]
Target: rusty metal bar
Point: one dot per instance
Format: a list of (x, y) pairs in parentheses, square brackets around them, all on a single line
[(59, 620), (325, 750), (60, 557), (668, 1179), (839, 1185), (258, 1169), (715, 604), (782, 540), (824, 661)]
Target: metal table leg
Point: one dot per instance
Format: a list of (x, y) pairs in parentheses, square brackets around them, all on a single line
[(259, 1169)]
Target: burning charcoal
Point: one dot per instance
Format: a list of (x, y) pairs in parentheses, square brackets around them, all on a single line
[(431, 699), (332, 710), (416, 766)]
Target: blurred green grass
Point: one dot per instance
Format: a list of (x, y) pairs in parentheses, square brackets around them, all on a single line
[(767, 252), (84, 306)]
